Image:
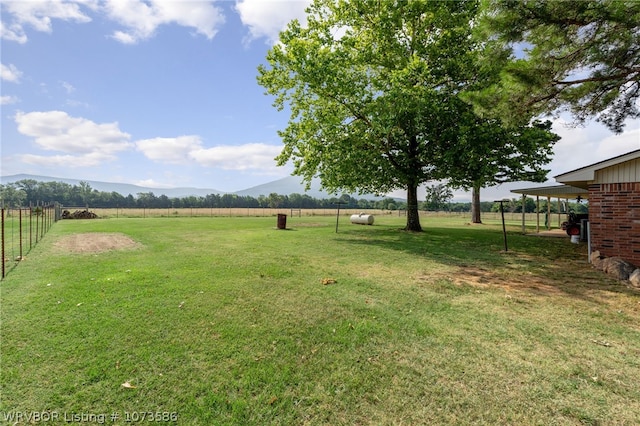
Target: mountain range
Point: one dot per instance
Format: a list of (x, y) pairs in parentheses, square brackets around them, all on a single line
[(285, 186)]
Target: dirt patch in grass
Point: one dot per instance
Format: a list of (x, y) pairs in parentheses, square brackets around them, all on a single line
[(485, 278), (570, 276), (95, 242)]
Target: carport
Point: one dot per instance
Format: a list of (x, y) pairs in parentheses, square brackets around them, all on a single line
[(559, 192)]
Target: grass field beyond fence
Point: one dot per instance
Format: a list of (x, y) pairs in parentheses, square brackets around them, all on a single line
[(229, 321), (117, 213)]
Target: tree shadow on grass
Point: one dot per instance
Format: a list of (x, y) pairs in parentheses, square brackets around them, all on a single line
[(545, 266)]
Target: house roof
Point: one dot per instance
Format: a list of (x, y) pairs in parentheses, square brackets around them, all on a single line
[(556, 191), (582, 176), (577, 181)]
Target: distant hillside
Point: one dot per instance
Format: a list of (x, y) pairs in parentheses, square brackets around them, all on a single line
[(121, 188), (285, 186), (293, 185)]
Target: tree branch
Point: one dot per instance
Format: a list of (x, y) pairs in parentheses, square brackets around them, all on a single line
[(602, 78)]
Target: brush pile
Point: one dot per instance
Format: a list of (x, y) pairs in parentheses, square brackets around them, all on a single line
[(79, 214)]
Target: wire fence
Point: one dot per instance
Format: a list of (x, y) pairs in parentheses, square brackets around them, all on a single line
[(114, 213), (22, 229), (127, 212)]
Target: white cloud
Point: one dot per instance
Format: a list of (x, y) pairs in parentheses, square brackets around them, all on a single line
[(124, 38), (582, 146), (85, 142), (187, 149), (13, 32), (615, 145), (92, 159), (268, 18), (7, 100), (170, 150), (68, 87), (256, 156), (150, 183), (10, 73), (76, 104), (141, 19), (38, 15), (204, 17)]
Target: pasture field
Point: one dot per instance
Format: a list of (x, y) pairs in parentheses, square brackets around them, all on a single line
[(117, 213), (229, 321), (110, 213)]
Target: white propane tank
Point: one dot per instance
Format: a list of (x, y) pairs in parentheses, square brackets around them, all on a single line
[(362, 219)]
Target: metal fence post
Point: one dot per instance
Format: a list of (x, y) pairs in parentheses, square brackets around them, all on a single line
[(37, 223), (20, 230), (3, 256), (30, 228)]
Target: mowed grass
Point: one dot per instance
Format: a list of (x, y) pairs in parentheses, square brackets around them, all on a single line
[(229, 321)]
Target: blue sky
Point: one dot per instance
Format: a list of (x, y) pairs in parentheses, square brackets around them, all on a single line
[(164, 94)]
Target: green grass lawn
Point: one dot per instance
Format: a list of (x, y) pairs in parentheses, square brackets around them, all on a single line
[(216, 321)]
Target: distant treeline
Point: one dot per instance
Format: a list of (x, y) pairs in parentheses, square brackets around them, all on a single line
[(29, 192)]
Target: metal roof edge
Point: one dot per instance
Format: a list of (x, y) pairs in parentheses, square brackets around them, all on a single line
[(632, 155), (560, 191)]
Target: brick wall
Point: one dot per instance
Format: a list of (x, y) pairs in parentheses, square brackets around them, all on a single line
[(614, 215)]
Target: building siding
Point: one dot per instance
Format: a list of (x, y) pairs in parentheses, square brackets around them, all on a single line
[(614, 216), (629, 171)]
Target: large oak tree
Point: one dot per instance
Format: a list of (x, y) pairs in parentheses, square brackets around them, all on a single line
[(373, 88)]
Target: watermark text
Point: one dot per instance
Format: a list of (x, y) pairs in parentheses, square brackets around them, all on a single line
[(31, 417)]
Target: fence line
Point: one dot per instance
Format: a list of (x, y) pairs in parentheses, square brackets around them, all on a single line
[(114, 213), (22, 229), (142, 212)]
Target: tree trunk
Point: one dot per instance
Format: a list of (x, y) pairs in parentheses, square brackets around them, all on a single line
[(413, 218), (475, 205)]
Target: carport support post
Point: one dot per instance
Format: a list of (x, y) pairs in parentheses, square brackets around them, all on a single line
[(537, 214), (524, 199), (548, 213)]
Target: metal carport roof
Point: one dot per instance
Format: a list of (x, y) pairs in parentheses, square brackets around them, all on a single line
[(556, 191)]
